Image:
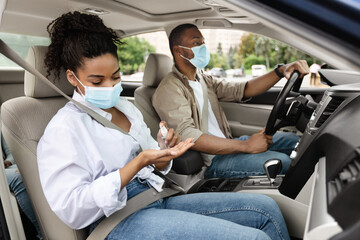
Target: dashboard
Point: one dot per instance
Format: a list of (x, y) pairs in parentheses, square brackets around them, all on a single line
[(330, 147)]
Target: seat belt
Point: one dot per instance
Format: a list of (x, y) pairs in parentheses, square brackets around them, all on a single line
[(205, 110), (205, 116), (134, 204)]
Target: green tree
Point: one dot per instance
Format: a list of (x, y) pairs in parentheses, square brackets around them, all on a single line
[(219, 49), (263, 47), (253, 60), (133, 54), (218, 61), (231, 57), (247, 45), (271, 51), (237, 61)]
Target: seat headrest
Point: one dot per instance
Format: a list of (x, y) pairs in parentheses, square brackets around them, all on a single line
[(33, 86), (157, 67)]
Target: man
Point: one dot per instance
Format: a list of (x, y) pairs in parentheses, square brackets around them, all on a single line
[(181, 101)]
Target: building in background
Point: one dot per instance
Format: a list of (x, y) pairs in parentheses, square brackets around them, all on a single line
[(227, 38)]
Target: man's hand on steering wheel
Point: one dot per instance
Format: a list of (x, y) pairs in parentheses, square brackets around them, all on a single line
[(301, 66), (294, 72)]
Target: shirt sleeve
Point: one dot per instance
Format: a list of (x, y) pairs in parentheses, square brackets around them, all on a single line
[(227, 91), (172, 106), (7, 152), (74, 193)]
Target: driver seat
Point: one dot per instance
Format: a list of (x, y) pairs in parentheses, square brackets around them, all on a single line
[(157, 67), (24, 121), (188, 168)]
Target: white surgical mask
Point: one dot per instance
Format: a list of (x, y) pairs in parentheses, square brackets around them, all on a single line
[(101, 97)]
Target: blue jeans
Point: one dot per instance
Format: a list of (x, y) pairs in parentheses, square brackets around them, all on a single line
[(243, 165), (17, 186), (202, 216)]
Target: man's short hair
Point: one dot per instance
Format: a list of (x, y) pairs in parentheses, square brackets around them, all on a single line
[(176, 35)]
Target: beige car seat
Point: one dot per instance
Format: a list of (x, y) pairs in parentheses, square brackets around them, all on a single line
[(157, 67), (24, 121), (188, 168)]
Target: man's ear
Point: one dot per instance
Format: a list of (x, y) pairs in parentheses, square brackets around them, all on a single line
[(176, 50), (71, 78)]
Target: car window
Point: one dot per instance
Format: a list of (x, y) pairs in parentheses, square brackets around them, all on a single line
[(235, 55), (243, 55), (20, 44), (135, 51)]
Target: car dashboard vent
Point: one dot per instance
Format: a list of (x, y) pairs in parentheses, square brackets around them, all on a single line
[(333, 104), (348, 174)]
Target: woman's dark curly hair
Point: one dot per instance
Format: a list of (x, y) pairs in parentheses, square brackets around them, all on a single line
[(75, 36)]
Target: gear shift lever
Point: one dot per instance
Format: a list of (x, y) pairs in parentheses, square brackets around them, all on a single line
[(272, 168)]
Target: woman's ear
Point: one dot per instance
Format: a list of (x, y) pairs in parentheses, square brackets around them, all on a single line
[(71, 78)]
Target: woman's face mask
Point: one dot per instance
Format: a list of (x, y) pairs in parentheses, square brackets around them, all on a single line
[(201, 56), (101, 97)]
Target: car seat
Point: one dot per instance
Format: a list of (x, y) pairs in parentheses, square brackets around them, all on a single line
[(157, 67), (24, 121), (188, 168)]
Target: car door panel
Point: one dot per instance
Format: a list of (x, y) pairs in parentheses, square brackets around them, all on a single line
[(246, 119), (249, 117), (270, 96)]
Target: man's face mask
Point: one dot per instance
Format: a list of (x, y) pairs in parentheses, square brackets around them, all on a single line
[(201, 56), (101, 97)]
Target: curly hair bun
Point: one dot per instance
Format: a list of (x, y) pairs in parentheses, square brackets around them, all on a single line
[(75, 36)]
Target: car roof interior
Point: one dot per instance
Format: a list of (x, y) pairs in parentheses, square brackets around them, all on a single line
[(129, 18), (132, 17)]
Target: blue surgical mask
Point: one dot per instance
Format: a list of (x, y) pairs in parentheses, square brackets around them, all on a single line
[(201, 56), (101, 97)]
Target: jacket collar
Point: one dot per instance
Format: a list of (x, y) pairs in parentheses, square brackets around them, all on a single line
[(184, 79)]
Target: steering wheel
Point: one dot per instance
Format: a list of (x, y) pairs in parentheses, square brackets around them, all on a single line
[(274, 120)]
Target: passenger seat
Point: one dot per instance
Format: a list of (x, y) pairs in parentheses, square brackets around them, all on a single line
[(24, 121)]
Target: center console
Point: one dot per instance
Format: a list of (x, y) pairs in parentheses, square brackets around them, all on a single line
[(271, 181), (235, 185)]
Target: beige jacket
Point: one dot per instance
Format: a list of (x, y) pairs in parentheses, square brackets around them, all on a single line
[(175, 103)]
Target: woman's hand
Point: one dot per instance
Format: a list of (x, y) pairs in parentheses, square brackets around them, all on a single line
[(164, 156), (171, 139), (160, 158)]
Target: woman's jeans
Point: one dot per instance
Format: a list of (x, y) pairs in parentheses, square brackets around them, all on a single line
[(243, 165), (17, 186), (202, 216)]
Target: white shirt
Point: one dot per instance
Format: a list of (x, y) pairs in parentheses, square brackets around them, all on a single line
[(79, 161), (213, 125)]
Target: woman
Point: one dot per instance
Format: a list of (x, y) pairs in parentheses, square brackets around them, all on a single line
[(88, 171)]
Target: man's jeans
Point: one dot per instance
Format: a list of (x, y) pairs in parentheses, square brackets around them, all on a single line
[(202, 216), (17, 186), (243, 165)]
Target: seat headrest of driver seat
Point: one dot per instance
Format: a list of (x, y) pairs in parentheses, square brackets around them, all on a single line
[(157, 67), (33, 86)]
